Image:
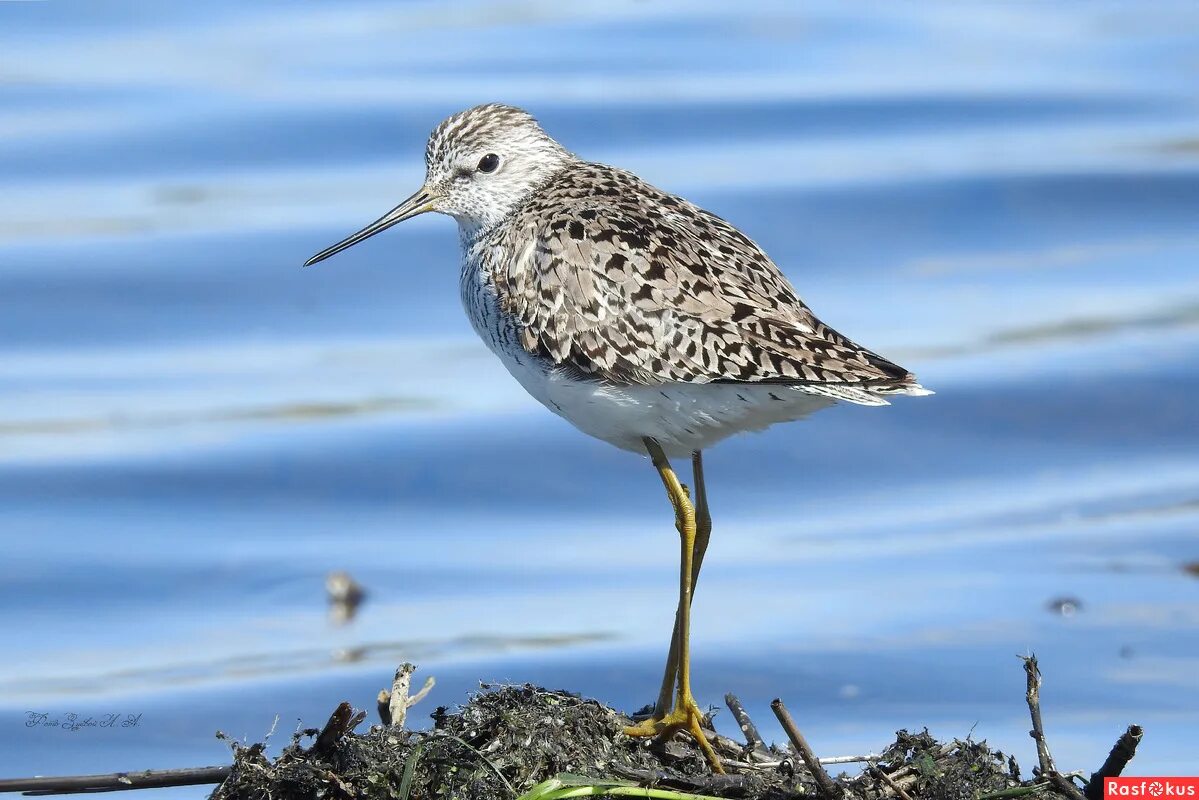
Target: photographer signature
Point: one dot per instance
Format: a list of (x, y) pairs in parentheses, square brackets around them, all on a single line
[(76, 722)]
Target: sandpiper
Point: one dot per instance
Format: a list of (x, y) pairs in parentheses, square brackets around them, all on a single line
[(641, 318)]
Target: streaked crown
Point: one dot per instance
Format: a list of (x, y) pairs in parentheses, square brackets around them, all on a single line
[(481, 163)]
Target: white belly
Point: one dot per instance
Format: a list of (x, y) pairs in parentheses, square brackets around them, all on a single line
[(681, 417)]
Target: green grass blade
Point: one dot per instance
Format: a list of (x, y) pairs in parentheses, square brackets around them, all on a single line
[(409, 771), (567, 786)]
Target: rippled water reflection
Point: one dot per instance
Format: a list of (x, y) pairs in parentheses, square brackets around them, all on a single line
[(193, 431)]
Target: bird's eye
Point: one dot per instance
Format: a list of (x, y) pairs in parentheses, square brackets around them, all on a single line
[(489, 163)]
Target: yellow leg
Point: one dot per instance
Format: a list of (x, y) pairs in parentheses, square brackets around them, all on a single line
[(703, 533), (686, 714)]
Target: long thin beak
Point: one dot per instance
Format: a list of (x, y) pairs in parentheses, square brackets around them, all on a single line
[(418, 203)]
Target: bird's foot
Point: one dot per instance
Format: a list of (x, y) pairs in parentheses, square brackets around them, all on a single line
[(686, 716)]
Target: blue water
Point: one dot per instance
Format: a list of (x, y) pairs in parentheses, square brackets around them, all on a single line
[(194, 431)]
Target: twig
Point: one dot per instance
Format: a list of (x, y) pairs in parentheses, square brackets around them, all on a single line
[(768, 765), (1065, 786), (116, 781), (850, 759), (748, 729), (824, 783), (397, 705), (1033, 696), (428, 685), (394, 705), (1122, 752), (341, 721), (726, 747), (895, 787), (1045, 759), (1015, 791), (383, 706)]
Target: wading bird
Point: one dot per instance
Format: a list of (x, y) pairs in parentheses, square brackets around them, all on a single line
[(641, 318)]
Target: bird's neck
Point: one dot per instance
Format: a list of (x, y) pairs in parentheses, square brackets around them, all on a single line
[(470, 236)]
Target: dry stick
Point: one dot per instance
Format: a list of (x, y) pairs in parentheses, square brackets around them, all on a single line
[(851, 759), (752, 737), (895, 787), (397, 705), (1033, 696), (1122, 752), (393, 705), (1015, 791), (383, 706), (767, 765), (823, 782), (116, 781), (723, 746), (341, 721), (425, 688)]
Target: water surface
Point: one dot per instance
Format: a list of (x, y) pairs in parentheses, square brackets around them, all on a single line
[(194, 431)]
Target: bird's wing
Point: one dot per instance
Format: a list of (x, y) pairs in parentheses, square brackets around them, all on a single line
[(627, 283)]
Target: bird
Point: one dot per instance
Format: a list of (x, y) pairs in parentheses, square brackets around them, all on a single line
[(345, 596), (642, 319)]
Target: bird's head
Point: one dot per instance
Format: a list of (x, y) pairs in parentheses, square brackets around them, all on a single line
[(479, 165)]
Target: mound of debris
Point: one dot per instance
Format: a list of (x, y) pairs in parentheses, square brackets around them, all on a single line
[(529, 743)]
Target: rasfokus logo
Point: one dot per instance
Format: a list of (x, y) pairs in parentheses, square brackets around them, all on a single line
[(1151, 788)]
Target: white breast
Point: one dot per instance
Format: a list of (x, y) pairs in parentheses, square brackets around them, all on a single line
[(682, 417)]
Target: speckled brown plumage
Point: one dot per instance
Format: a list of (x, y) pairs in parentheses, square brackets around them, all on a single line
[(629, 311), (625, 282)]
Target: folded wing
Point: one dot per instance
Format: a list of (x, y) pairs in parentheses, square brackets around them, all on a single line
[(632, 285)]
